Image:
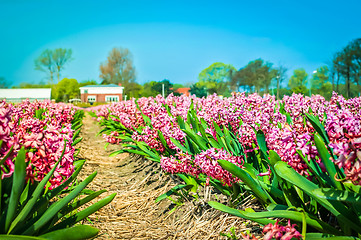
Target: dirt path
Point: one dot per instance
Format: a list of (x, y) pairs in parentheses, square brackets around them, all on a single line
[(133, 214)]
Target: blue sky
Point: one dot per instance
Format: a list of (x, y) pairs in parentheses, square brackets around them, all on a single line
[(173, 39)]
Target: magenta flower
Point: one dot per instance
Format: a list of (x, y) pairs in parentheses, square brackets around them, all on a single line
[(281, 232)]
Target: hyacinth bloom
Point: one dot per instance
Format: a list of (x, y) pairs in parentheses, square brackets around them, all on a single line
[(44, 139), (280, 232), (245, 115), (112, 137), (206, 163)]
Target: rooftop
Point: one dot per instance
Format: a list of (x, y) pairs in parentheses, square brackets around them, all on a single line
[(108, 85)]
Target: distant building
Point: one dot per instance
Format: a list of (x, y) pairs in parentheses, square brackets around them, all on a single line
[(16, 95), (183, 91), (101, 93)]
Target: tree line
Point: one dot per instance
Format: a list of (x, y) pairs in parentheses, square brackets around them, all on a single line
[(342, 75)]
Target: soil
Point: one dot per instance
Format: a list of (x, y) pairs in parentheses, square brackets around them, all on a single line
[(133, 214)]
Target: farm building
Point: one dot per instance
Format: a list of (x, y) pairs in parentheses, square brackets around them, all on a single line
[(101, 93), (183, 91), (16, 95)]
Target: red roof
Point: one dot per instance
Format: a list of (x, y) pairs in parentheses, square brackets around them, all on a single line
[(183, 91)]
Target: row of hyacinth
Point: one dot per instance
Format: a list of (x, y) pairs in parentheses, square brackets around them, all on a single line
[(44, 138), (245, 114)]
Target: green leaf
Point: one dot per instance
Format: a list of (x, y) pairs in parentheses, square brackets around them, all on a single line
[(238, 213), (258, 191), (336, 208), (261, 140), (79, 203), (326, 160), (17, 187), (338, 195), (84, 213), (57, 206), (315, 122), (76, 141), (172, 191), (179, 145), (76, 134), (44, 199), (196, 138), (213, 142), (189, 180), (218, 129), (180, 122), (294, 216), (163, 141), (24, 194), (144, 147), (74, 233), (10, 151), (320, 236), (19, 237)]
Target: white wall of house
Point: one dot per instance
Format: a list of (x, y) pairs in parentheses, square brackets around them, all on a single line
[(102, 90)]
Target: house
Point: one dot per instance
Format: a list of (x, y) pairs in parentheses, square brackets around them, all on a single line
[(183, 91), (101, 93), (16, 95)]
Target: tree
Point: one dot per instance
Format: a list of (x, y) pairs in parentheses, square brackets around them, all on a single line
[(347, 64), (166, 84), (87, 82), (118, 68), (51, 61), (134, 90), (66, 89), (320, 82), (320, 77), (46, 64), (257, 74), (148, 90), (33, 85), (298, 81), (61, 56), (4, 83), (216, 78), (280, 77), (199, 91)]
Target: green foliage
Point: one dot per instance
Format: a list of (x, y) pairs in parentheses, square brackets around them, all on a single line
[(154, 88), (148, 89), (323, 205), (87, 82), (4, 83), (216, 78), (320, 82), (32, 85), (29, 217), (31, 209), (320, 77), (298, 81), (257, 74), (199, 91), (347, 65), (133, 90), (66, 89), (158, 86)]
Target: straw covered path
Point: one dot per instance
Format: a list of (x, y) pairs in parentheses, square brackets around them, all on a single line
[(133, 214)]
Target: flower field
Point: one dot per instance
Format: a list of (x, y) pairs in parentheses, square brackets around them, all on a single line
[(299, 157), (40, 193)]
